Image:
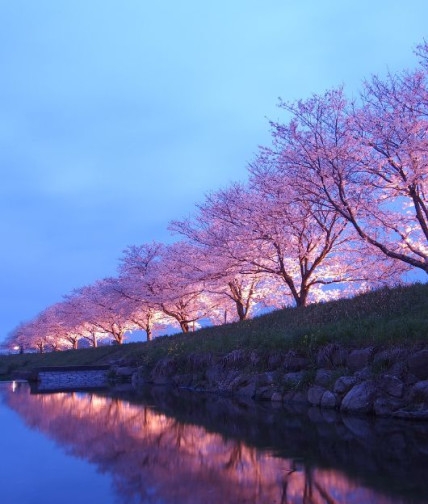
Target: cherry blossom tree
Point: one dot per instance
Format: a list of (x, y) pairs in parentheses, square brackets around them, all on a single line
[(31, 335), (17, 339), (37, 339), (101, 307), (47, 331), (240, 290), (72, 315), (178, 288), (57, 329), (74, 309), (392, 127), (422, 52), (136, 285), (138, 310), (168, 281), (239, 293), (367, 163), (278, 234)]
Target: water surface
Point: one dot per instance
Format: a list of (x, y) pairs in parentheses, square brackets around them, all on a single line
[(164, 446)]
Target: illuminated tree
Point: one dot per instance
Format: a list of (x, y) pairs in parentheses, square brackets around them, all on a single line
[(100, 307), (278, 234), (368, 164), (217, 267), (166, 278)]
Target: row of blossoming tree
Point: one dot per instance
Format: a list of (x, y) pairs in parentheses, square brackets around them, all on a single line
[(337, 204)]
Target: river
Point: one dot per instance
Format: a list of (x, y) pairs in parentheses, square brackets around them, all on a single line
[(171, 447)]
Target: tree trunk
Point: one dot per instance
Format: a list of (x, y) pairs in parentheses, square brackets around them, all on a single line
[(149, 334), (241, 310), (184, 326), (302, 299)]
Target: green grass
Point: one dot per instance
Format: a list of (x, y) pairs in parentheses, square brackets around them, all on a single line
[(386, 317)]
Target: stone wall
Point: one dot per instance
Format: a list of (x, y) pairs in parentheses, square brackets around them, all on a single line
[(380, 381), (73, 378)]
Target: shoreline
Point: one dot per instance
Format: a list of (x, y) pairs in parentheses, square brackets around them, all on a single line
[(386, 382), (375, 381), (364, 355)]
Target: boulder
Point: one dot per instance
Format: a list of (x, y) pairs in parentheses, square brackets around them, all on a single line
[(418, 364), (328, 400), (398, 369), (267, 378), (344, 383), (359, 359), (228, 380), (332, 356), (295, 362), (387, 406), (324, 377), (183, 380), (199, 361), (392, 385), (419, 392), (300, 397), (124, 372), (295, 397), (264, 393), (364, 374), (234, 359), (389, 357), (288, 396), (163, 371), (247, 390), (293, 378), (360, 398), (241, 381), (315, 394)]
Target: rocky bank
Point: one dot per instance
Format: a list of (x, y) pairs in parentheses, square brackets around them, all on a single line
[(373, 380)]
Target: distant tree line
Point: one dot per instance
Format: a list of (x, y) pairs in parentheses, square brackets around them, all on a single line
[(337, 204)]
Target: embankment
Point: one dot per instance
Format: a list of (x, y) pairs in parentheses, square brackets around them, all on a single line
[(380, 381), (366, 355)]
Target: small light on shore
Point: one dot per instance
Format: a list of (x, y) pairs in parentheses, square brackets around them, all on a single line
[(13, 386)]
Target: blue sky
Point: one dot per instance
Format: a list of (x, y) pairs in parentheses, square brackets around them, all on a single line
[(116, 117)]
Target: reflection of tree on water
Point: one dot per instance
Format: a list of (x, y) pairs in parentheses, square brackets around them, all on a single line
[(155, 457)]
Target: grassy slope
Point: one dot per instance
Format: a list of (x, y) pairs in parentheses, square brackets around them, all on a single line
[(387, 317)]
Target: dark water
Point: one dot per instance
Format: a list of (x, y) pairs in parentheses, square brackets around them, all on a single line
[(169, 447)]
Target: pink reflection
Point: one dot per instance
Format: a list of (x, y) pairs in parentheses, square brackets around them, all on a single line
[(155, 458)]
